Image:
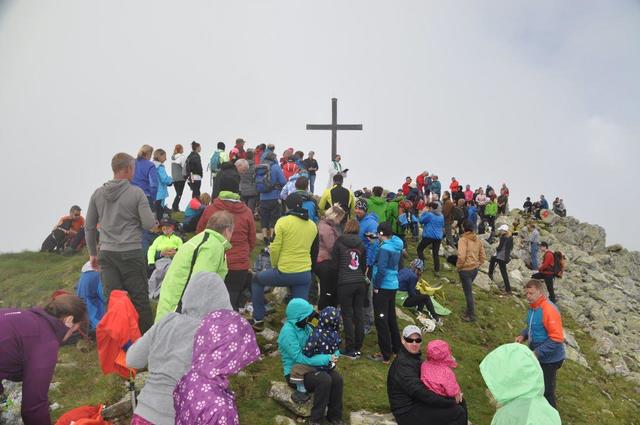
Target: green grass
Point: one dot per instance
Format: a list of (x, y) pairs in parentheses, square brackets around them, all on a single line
[(584, 396)]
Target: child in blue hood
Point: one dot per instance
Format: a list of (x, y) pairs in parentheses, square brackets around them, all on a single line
[(385, 285)]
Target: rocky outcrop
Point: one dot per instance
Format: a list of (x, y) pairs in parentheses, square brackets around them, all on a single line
[(362, 417), (600, 289), (281, 393)]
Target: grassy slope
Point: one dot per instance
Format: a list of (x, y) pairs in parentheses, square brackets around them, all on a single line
[(29, 278)]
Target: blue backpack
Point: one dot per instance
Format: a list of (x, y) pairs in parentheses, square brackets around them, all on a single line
[(264, 184), (214, 162)]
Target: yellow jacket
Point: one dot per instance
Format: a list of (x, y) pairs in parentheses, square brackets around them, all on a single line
[(291, 249)]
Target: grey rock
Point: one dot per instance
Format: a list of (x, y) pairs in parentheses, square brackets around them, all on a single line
[(283, 420), (615, 248), (269, 334), (362, 417), (483, 282), (404, 316), (281, 393)]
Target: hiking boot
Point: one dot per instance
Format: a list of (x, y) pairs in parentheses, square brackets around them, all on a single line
[(300, 398), (468, 318), (257, 325), (349, 354), (379, 357), (439, 321)]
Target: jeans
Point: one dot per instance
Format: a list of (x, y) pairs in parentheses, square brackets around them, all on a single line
[(236, 282), (448, 233), (297, 282), (549, 371), (327, 389), (467, 277), (503, 271), (384, 310), (179, 187), (327, 275), (351, 299), (312, 182), (548, 281), (435, 249), (534, 256), (127, 270)]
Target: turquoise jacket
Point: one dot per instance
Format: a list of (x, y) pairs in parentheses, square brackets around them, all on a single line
[(385, 269), (164, 180), (293, 338)]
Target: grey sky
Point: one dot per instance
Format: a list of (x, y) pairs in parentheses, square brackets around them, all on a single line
[(541, 95)]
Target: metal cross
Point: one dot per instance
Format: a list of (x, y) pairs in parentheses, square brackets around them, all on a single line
[(334, 127)]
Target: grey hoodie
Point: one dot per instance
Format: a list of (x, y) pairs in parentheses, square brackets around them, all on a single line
[(167, 347), (123, 211)]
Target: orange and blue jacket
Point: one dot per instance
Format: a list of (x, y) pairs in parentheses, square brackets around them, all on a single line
[(544, 331)]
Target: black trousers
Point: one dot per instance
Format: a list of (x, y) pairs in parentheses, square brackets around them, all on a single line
[(435, 249), (503, 271), (421, 414), (421, 301), (548, 280), (351, 300), (327, 389), (549, 371), (327, 275), (179, 187), (195, 188), (236, 282), (384, 313)]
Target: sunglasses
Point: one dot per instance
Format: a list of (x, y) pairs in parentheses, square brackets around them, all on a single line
[(412, 340)]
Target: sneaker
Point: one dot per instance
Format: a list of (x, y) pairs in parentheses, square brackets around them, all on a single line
[(358, 353), (257, 325), (439, 321), (349, 354), (300, 398)]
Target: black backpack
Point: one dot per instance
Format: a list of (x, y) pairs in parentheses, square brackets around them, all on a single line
[(264, 184), (458, 213)]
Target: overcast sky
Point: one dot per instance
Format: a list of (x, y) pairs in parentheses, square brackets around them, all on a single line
[(544, 95)]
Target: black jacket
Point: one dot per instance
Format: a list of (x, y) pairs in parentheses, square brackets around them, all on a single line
[(503, 252), (341, 196), (193, 164), (405, 389), (227, 169), (350, 259)]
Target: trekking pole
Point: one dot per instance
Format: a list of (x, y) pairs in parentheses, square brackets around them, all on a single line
[(132, 389)]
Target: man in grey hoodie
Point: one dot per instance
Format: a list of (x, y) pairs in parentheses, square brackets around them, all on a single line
[(122, 210), (167, 348)]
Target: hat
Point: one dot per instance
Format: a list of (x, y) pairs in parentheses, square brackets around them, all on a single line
[(385, 229), (194, 203), (410, 330), (294, 201), (358, 193), (229, 184), (503, 228), (361, 204), (391, 196), (417, 264), (166, 222)]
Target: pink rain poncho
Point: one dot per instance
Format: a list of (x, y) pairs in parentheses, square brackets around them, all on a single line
[(436, 372)]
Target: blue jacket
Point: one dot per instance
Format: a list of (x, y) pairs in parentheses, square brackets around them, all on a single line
[(385, 269), (277, 177), (544, 331), (164, 180), (407, 281), (292, 338), (89, 289), (472, 212), (435, 187), (146, 177), (433, 225), (368, 224)]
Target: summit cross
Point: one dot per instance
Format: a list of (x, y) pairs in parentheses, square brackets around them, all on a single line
[(334, 127)]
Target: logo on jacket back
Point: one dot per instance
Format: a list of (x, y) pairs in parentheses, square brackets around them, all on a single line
[(354, 264)]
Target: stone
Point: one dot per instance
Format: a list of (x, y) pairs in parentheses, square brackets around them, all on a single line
[(483, 282), (269, 334), (404, 316), (279, 293), (118, 410), (576, 356), (283, 420), (281, 393), (362, 417), (615, 248)]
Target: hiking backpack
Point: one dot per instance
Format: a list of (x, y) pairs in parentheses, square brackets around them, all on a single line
[(214, 162), (559, 264), (264, 184), (458, 214)]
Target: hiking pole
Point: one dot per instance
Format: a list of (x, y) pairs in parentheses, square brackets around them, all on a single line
[(132, 389)]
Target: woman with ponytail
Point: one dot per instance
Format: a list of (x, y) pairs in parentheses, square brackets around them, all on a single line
[(193, 170)]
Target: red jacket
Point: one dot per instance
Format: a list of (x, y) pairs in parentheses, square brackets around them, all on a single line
[(405, 188), (420, 180), (547, 264), (243, 239), (289, 169), (454, 186)]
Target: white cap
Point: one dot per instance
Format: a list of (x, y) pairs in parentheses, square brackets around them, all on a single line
[(410, 330), (503, 228)]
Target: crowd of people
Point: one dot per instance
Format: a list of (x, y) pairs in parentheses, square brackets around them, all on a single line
[(354, 244)]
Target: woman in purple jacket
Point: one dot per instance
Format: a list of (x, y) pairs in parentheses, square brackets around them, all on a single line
[(29, 344)]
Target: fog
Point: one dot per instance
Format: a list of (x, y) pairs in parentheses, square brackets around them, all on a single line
[(543, 96)]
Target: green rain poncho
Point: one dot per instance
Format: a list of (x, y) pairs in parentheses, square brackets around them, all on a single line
[(514, 377)]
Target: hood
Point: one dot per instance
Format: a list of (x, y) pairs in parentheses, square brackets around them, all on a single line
[(205, 292), (87, 267), (114, 188), (297, 310), (329, 319), (377, 200), (230, 205), (223, 345), (512, 371), (228, 165), (350, 240), (370, 216), (438, 352), (56, 324), (213, 234), (470, 235), (394, 243)]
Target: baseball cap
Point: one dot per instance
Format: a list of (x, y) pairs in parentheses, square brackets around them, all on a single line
[(410, 330), (503, 228)]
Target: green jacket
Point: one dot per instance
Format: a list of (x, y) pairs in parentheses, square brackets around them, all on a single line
[(514, 377), (161, 243), (291, 248), (292, 338), (491, 209), (391, 214), (378, 205), (210, 246)]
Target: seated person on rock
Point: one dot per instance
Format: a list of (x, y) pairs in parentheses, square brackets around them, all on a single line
[(326, 385), (410, 401), (166, 349), (194, 211), (164, 246)]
